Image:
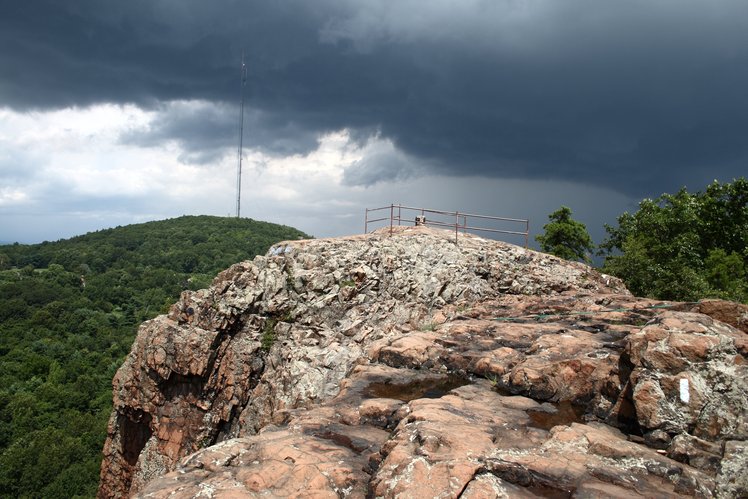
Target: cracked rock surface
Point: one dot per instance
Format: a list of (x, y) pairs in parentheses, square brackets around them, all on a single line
[(411, 365)]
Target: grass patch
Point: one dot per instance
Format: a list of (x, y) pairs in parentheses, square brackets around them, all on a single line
[(427, 326)]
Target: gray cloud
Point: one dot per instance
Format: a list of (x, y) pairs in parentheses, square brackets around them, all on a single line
[(207, 131), (15, 168), (381, 163), (641, 97)]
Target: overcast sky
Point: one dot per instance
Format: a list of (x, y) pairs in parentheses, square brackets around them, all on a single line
[(117, 112)]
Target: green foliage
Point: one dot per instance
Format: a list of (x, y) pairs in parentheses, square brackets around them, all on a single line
[(684, 246), (68, 315), (565, 237), (290, 278), (726, 275), (268, 334)]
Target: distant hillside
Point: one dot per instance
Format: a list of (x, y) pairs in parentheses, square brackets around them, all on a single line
[(69, 311), (202, 244)]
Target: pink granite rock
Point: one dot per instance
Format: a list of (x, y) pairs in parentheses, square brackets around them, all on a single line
[(409, 365)]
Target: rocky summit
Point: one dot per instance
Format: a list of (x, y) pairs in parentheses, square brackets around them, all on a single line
[(408, 363)]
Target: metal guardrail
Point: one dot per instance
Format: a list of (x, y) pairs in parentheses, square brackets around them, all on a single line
[(439, 218)]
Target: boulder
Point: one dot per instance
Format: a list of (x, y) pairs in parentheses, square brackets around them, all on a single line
[(688, 376)]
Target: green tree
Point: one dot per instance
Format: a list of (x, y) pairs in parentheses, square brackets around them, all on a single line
[(726, 275), (565, 237), (684, 246)]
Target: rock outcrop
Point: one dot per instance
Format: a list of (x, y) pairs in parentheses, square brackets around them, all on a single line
[(409, 364)]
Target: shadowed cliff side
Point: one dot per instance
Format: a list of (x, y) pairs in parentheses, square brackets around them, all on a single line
[(410, 363)]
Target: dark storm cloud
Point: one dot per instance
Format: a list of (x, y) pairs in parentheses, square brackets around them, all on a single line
[(207, 131), (638, 96)]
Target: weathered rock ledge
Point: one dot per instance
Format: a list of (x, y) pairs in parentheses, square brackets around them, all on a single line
[(409, 365)]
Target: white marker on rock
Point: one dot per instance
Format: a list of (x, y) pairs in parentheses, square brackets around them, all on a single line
[(684, 395)]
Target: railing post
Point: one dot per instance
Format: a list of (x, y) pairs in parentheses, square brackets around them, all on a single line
[(392, 214), (457, 224), (366, 221), (527, 233)]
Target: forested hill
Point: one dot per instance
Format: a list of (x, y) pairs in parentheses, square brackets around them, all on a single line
[(202, 244), (69, 311)]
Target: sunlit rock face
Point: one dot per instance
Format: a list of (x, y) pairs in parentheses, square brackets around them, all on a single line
[(411, 363)]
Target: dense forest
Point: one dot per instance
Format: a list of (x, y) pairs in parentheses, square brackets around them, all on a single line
[(684, 246), (69, 311)]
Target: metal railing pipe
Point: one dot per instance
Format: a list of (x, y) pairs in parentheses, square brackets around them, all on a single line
[(460, 220)]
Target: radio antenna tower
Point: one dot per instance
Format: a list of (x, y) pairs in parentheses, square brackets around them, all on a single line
[(243, 78)]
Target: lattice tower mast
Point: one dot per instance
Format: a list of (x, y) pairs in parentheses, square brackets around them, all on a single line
[(243, 81)]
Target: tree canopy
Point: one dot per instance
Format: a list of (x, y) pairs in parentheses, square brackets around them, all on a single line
[(565, 237), (684, 246), (69, 311)]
